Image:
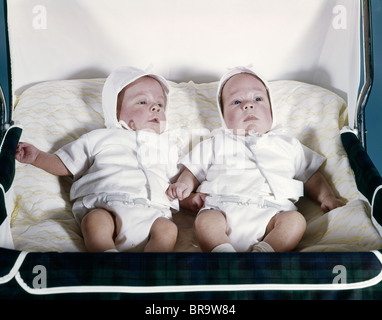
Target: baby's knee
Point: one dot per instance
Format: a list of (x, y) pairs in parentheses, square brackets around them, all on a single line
[(209, 218), (165, 226), (171, 228), (298, 220), (294, 220), (97, 217)]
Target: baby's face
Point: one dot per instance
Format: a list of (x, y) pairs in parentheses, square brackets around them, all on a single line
[(142, 104), (246, 105)]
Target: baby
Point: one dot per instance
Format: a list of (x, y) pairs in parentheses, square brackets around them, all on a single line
[(251, 174), (119, 184)]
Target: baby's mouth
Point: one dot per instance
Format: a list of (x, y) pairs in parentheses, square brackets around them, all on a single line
[(250, 118), (155, 120)]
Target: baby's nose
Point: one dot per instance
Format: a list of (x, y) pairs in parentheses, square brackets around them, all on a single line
[(248, 106), (156, 108)]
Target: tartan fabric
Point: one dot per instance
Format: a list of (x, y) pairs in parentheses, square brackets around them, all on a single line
[(180, 269), (366, 174), (8, 146), (10, 139)]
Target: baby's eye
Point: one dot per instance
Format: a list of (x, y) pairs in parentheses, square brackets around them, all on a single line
[(237, 102), (258, 99), (142, 102)]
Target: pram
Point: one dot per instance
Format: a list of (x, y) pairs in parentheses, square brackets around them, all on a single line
[(57, 56)]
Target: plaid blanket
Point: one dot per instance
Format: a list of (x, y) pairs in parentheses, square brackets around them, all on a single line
[(190, 275)]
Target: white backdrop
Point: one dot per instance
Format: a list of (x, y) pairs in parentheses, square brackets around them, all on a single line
[(316, 41)]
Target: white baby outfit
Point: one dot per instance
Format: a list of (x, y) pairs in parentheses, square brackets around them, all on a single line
[(123, 171), (250, 178)]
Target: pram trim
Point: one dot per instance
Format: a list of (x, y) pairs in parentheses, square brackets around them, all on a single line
[(368, 69), (368, 179), (21, 272), (6, 95)]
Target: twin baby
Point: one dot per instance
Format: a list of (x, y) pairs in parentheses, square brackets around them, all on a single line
[(123, 199)]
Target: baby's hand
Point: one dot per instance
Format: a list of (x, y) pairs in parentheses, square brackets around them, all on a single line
[(331, 202), (194, 202), (178, 190), (26, 153)]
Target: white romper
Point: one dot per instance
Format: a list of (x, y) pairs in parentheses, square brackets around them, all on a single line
[(126, 173), (251, 178), (123, 171)]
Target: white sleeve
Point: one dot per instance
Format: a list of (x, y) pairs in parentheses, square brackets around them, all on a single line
[(76, 156), (307, 161)]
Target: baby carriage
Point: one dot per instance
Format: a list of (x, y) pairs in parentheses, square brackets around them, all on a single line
[(56, 57)]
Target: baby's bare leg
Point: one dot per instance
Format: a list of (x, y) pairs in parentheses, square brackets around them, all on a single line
[(163, 235), (285, 230), (211, 229), (98, 230)]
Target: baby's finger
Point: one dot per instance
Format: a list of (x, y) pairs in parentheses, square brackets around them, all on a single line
[(179, 193), (185, 194), (202, 196), (170, 193)]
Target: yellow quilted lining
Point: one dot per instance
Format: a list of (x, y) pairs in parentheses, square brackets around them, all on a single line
[(57, 112)]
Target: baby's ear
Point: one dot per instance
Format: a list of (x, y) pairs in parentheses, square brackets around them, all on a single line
[(132, 126)]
